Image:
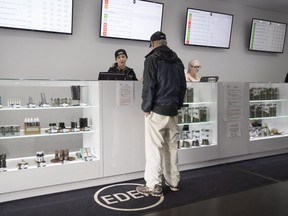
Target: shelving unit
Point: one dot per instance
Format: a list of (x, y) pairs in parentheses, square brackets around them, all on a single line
[(20, 147), (197, 122), (268, 116)]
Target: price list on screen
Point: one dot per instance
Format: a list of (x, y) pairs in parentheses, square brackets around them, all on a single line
[(206, 28), (130, 19), (42, 15), (267, 36)]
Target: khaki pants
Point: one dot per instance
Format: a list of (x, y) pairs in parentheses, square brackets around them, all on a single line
[(161, 134)]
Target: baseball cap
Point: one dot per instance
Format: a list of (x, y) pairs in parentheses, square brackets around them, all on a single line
[(157, 36), (120, 52)]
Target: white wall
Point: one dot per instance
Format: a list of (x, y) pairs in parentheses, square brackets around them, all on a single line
[(25, 54)]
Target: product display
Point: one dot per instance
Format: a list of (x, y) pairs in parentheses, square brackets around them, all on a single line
[(264, 93), (22, 165), (40, 159), (193, 114), (268, 109), (30, 103), (43, 102), (3, 163), (193, 138), (83, 122), (86, 154), (9, 130), (14, 103), (263, 110), (62, 156), (189, 96), (61, 102), (32, 126)]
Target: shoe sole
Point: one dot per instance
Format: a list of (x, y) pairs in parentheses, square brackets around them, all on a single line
[(172, 188), (155, 195)]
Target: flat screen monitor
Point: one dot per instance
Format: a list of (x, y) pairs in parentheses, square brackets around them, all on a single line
[(208, 28), (267, 36), (130, 19), (286, 78), (209, 79), (110, 76), (37, 15)]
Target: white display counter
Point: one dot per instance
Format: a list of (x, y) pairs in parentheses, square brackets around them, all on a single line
[(115, 132)]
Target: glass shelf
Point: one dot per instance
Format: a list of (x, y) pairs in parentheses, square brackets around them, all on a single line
[(197, 123), (32, 164), (198, 103), (45, 108), (269, 137), (273, 117), (267, 101), (43, 134), (196, 147)]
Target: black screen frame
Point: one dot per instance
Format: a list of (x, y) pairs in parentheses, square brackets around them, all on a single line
[(266, 51), (286, 78), (209, 79), (131, 39), (46, 31), (209, 46), (110, 76)]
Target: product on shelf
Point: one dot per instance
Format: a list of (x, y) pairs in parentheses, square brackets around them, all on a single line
[(3, 163), (14, 103), (32, 126), (43, 102), (0, 102), (86, 154), (264, 93), (30, 103), (61, 102), (9, 130), (62, 156), (189, 96), (22, 165), (40, 159), (193, 138)]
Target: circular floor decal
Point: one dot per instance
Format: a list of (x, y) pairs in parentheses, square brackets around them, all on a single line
[(124, 197)]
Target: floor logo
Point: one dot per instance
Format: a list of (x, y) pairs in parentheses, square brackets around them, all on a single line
[(124, 197)]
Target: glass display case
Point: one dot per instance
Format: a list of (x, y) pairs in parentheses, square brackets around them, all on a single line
[(47, 126), (268, 110), (197, 121)]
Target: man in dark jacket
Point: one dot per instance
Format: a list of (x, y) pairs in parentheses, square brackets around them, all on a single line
[(164, 87)]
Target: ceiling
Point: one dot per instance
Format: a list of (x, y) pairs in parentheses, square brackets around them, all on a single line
[(272, 5)]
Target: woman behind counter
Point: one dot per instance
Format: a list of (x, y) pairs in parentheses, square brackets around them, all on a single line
[(193, 71), (120, 65)]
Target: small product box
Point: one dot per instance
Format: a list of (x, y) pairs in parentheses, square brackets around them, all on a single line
[(86, 154)]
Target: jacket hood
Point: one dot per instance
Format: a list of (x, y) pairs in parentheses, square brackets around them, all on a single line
[(165, 53)]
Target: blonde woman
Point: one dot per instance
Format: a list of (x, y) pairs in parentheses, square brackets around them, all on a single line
[(193, 71)]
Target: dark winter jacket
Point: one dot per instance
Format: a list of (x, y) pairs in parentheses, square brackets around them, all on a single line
[(129, 73), (164, 82)]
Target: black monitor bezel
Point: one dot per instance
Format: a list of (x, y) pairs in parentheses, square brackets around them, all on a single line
[(110, 76)]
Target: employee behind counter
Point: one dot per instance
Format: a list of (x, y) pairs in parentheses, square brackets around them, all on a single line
[(120, 65)]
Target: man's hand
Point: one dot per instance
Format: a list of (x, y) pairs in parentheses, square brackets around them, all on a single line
[(146, 114)]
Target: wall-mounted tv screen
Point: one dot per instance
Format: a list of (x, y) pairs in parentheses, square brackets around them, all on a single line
[(130, 19), (207, 28), (38, 15), (267, 36)]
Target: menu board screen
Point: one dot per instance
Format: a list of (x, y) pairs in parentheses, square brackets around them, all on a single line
[(207, 28), (267, 36), (37, 15), (130, 19)]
